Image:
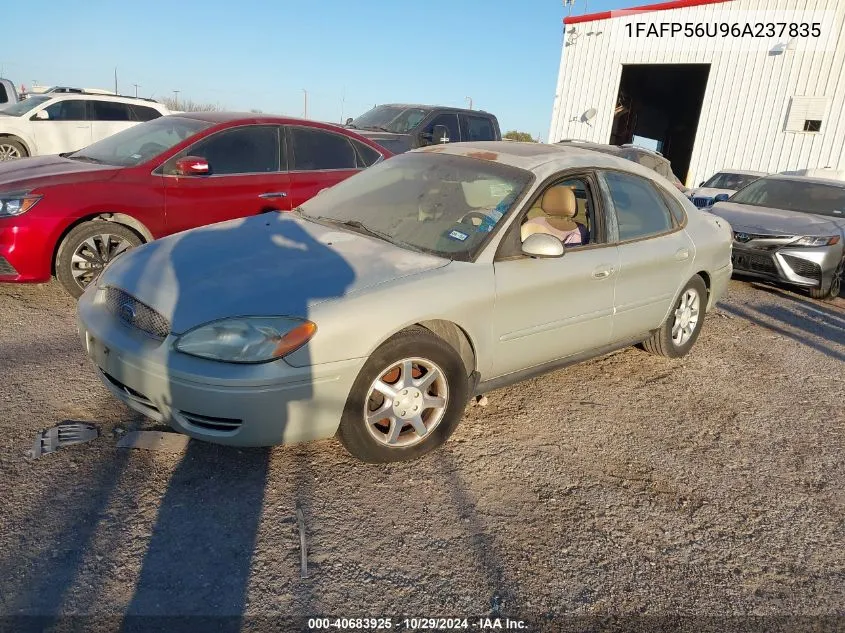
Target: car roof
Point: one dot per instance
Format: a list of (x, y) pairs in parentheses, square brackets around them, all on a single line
[(542, 158), (61, 96), (808, 179), (221, 118), (742, 172), (432, 107)]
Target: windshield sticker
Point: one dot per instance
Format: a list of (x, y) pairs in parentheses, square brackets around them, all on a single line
[(457, 235), (500, 190)]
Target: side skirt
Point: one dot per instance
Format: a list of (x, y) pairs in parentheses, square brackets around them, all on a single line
[(478, 387)]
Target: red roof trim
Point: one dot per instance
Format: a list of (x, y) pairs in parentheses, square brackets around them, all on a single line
[(663, 6)]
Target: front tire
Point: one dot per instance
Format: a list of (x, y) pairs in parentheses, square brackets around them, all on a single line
[(10, 149), (680, 331), (834, 288), (87, 249), (407, 400)]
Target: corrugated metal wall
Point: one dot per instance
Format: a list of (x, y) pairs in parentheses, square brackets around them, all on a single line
[(747, 97)]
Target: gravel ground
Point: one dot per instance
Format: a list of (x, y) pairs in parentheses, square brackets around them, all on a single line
[(628, 486)]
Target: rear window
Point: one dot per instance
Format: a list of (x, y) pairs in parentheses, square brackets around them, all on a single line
[(143, 113)]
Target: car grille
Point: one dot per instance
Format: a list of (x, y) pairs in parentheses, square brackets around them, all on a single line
[(6, 268), (212, 423), (135, 396), (702, 202), (803, 267), (754, 263), (136, 314)]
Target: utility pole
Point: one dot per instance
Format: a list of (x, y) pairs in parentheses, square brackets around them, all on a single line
[(115, 80), (342, 103), (305, 92), (136, 89), (470, 102), (176, 99)]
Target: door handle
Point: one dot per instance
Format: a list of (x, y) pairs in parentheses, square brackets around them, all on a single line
[(273, 195), (681, 254), (603, 272)]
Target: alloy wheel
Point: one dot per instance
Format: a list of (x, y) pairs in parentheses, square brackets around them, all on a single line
[(91, 256), (406, 402), (9, 152), (836, 282), (686, 317)]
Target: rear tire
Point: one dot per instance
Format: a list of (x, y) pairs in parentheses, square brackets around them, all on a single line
[(87, 249), (10, 149), (834, 288), (419, 417), (680, 331)]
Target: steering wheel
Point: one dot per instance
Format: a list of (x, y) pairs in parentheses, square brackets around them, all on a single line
[(151, 149), (472, 215)]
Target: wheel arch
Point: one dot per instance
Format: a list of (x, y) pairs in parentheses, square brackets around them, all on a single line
[(26, 145), (118, 218), (456, 337)]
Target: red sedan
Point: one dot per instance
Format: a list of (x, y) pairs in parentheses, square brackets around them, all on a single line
[(69, 215)]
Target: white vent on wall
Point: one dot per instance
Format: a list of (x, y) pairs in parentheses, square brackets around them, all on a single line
[(807, 114)]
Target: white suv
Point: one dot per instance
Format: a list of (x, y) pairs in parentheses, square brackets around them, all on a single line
[(55, 123)]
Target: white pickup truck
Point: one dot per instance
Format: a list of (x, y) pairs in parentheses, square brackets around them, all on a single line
[(8, 93)]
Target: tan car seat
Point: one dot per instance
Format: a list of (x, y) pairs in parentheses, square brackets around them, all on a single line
[(559, 206)]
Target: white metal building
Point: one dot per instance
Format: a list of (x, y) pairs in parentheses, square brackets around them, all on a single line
[(709, 102)]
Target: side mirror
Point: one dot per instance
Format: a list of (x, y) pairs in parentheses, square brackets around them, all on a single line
[(349, 120), (721, 197), (439, 134), (41, 115), (542, 245), (192, 166)]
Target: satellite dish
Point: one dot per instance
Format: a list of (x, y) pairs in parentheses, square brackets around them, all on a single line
[(589, 115)]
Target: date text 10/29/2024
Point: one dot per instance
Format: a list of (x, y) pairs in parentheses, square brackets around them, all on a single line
[(418, 624)]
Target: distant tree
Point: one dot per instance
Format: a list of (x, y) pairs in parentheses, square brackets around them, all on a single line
[(513, 135), (257, 111), (189, 105)]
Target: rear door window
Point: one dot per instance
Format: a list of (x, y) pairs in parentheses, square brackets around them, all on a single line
[(317, 150), (366, 155), (109, 111), (476, 128), (641, 210), (3, 96)]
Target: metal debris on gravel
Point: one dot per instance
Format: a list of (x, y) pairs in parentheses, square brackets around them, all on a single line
[(155, 441), (63, 434), (300, 519)]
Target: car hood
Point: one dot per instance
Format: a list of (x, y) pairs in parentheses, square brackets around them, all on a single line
[(776, 221), (709, 192), (268, 265), (45, 171)]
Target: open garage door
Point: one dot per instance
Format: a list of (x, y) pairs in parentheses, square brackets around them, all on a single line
[(658, 107)]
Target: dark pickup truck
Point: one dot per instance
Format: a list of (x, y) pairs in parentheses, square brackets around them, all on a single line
[(400, 127)]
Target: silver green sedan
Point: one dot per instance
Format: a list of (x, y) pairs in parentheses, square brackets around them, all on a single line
[(378, 308)]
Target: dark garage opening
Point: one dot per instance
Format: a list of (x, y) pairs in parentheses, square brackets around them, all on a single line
[(660, 104)]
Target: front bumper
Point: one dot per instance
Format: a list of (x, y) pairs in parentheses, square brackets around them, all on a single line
[(807, 267), (26, 249), (224, 403)]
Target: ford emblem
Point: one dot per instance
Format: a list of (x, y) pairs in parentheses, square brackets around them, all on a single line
[(742, 237)]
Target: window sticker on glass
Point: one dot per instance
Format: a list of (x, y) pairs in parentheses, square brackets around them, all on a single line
[(500, 189), (457, 235)]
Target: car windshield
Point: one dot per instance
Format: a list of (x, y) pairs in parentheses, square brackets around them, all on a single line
[(727, 180), (22, 107), (440, 204), (141, 142), (794, 195), (396, 119)]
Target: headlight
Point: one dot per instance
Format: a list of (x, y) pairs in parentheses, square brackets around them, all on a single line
[(816, 241), (12, 204), (247, 339)]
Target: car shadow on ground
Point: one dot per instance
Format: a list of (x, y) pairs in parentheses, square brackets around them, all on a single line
[(199, 558)]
